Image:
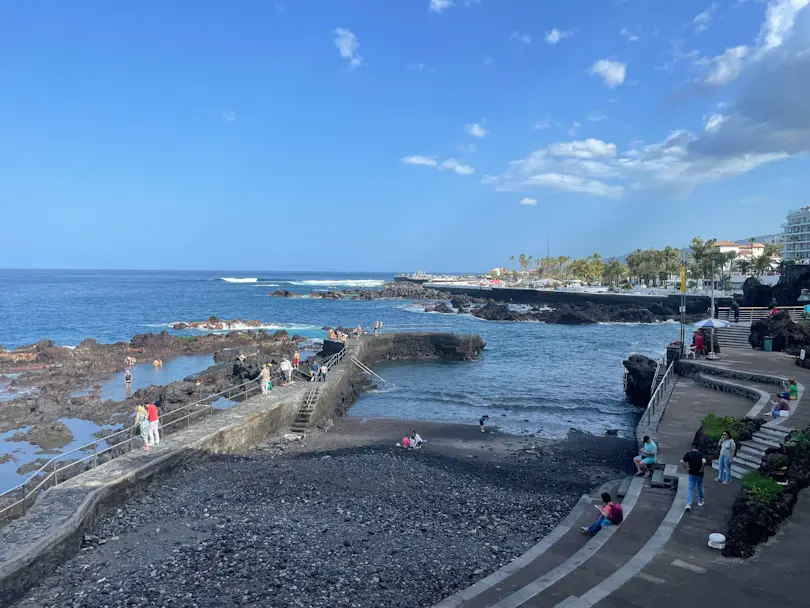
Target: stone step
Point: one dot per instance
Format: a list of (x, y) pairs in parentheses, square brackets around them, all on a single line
[(777, 431), (748, 461), (767, 440), (773, 435), (737, 471), (752, 451)]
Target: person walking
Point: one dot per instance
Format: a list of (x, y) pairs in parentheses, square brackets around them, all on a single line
[(381, 328), (154, 419), (128, 380), (324, 370), (142, 422), (264, 379), (694, 462), (611, 514), (296, 359), (314, 371), (728, 449), (735, 310), (286, 371), (376, 328)]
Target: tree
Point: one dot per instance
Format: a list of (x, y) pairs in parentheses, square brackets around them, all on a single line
[(762, 264), (579, 269), (595, 267), (613, 272), (773, 250), (743, 265)]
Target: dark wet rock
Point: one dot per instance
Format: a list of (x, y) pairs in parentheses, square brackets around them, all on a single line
[(439, 307), (7, 458), (497, 311), (401, 290), (283, 293), (640, 377), (32, 466), (53, 435), (788, 336), (328, 295), (570, 317)]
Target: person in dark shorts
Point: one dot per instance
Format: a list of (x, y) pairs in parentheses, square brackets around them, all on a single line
[(694, 462), (482, 421)]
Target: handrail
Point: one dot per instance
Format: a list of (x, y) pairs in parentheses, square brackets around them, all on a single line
[(752, 313), (364, 368), (655, 377), (53, 474), (655, 398)]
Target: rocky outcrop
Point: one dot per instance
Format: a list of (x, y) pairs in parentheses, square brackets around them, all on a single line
[(755, 293), (640, 377), (439, 307), (216, 324), (47, 436), (403, 290), (283, 293), (788, 337), (497, 311)]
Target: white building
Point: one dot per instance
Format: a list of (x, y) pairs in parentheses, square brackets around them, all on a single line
[(796, 235), (726, 246)]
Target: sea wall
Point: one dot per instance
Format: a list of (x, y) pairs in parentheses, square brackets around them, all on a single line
[(694, 304), (53, 529)]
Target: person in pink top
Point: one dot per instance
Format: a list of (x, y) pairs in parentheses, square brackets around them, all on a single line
[(153, 418)]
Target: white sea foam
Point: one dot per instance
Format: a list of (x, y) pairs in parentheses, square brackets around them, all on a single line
[(236, 327), (239, 280), (266, 285), (341, 283)]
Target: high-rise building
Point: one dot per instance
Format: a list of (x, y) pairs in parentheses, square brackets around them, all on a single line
[(796, 235)]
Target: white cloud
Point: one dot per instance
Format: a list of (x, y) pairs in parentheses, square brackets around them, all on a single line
[(714, 121), (451, 164), (547, 123), (612, 72), (725, 67), (553, 36), (590, 148), (425, 161), (776, 29), (520, 37), (439, 6), (476, 130), (626, 33), (229, 116), (348, 45), (596, 116), (574, 128), (702, 21), (528, 201)]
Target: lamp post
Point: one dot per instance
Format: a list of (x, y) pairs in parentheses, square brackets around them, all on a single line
[(711, 354)]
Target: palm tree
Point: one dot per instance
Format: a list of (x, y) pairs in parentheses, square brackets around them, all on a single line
[(762, 264), (744, 265)]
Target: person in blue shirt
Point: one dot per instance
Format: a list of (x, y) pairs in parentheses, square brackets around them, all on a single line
[(482, 421), (646, 458), (314, 369)]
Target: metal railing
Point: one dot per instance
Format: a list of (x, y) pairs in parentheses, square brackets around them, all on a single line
[(116, 444), (367, 370), (660, 392), (749, 314), (119, 443)]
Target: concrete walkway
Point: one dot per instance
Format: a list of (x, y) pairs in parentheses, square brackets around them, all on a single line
[(659, 556)]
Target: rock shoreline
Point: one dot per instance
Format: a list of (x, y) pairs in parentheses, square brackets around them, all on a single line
[(342, 520)]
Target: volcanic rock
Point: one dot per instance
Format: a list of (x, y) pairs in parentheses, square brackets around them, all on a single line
[(48, 436), (439, 307), (283, 293), (640, 377), (788, 336), (497, 311)]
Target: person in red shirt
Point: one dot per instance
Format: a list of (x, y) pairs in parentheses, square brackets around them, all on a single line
[(699, 344), (154, 419)]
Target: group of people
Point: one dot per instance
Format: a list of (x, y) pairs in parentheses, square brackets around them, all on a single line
[(781, 406), (378, 328), (147, 419), (286, 367), (414, 441)]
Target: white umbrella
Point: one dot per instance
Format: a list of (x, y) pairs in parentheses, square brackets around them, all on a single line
[(711, 324)]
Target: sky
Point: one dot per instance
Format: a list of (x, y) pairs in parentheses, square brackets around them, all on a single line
[(394, 134)]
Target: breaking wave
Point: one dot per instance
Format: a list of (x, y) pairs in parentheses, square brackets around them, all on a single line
[(341, 283), (239, 280)]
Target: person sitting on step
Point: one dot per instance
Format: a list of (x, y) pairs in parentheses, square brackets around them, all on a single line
[(610, 514), (780, 407), (646, 457)]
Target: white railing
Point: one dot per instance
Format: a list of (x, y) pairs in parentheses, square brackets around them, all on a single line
[(366, 369), (749, 314), (660, 392)]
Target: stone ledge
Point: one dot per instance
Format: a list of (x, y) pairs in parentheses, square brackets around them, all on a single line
[(760, 398)]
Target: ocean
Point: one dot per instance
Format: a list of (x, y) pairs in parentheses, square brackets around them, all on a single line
[(533, 378)]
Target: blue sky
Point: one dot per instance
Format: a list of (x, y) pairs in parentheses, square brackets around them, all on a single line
[(394, 134)]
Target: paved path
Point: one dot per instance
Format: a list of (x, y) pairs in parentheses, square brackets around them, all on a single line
[(659, 556)]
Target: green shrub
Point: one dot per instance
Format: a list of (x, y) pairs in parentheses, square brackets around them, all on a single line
[(714, 425), (761, 489), (800, 441)]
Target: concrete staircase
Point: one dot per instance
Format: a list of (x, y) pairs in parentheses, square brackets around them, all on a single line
[(749, 456), (734, 336), (308, 403)]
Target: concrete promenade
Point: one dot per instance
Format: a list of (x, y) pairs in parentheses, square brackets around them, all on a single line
[(660, 556)]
